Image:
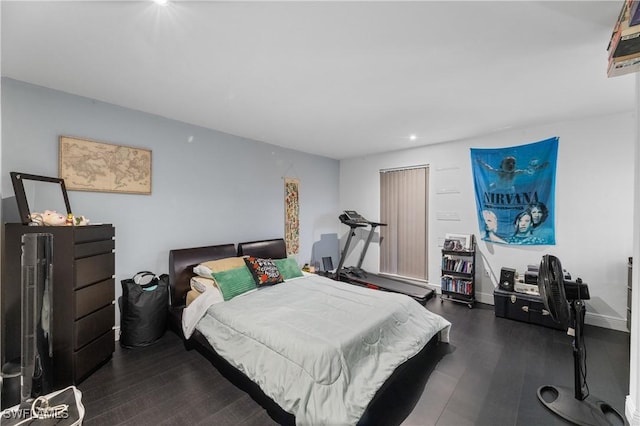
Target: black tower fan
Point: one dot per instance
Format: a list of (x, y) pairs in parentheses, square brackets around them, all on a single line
[(564, 301)]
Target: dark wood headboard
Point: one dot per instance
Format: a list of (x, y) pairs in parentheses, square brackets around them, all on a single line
[(268, 249), (181, 263)]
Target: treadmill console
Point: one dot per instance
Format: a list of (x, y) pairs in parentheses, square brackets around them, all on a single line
[(354, 216)]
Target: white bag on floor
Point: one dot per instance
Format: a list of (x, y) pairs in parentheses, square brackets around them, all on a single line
[(59, 408)]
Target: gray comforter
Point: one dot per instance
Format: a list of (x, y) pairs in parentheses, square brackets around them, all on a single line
[(320, 348)]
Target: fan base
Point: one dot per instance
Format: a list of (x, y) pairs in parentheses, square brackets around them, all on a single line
[(562, 401)]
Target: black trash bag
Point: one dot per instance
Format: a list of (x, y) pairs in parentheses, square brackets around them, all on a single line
[(144, 307)]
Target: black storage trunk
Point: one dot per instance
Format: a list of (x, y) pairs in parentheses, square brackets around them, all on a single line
[(522, 307)]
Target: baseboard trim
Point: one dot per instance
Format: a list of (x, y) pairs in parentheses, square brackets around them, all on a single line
[(631, 412), (606, 321), (485, 298), (598, 320)]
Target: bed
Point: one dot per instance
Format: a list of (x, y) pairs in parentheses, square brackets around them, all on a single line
[(316, 371)]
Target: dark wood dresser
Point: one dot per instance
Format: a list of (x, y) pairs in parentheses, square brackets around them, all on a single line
[(83, 293)]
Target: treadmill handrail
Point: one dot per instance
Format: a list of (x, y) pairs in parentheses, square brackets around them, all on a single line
[(374, 224), (344, 218)]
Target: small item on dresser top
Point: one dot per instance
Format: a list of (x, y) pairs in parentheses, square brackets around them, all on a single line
[(49, 218), (53, 218), (80, 220)]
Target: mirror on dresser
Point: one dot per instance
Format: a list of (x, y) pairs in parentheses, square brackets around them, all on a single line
[(39, 193)]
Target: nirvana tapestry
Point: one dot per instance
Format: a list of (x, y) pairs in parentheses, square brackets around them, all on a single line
[(515, 190)]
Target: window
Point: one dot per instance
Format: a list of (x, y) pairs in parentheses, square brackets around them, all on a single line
[(403, 207)]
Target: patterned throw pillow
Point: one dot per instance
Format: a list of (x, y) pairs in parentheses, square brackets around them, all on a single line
[(264, 271)]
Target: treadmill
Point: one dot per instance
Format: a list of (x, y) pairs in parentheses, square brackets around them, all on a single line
[(358, 276)]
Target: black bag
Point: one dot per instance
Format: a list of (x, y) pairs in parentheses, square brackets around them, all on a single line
[(144, 307)]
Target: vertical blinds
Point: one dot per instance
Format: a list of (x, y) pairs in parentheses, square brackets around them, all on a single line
[(403, 207)]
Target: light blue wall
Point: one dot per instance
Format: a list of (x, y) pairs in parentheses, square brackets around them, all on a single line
[(219, 188)]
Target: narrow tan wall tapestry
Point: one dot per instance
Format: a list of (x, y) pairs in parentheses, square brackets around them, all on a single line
[(292, 213), (87, 165)]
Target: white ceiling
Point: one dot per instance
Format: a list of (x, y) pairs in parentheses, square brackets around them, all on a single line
[(338, 79)]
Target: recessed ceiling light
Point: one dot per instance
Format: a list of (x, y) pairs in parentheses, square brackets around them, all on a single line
[(161, 2), (413, 137)]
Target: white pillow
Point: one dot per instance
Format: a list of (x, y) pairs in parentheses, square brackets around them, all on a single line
[(203, 271), (214, 295), (197, 308), (200, 284)]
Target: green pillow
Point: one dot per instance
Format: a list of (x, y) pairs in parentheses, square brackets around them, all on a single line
[(234, 282), (288, 268)]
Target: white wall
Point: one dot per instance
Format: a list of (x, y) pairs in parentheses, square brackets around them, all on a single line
[(632, 402), (594, 206)]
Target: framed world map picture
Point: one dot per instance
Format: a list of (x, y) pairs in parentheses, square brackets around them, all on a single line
[(87, 165)]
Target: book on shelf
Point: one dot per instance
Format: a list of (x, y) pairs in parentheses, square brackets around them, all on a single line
[(626, 45), (616, 27), (620, 18), (634, 12), (617, 68), (457, 265), (625, 57), (625, 38), (455, 285)]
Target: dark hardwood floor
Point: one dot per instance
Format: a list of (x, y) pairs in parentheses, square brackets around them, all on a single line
[(487, 375)]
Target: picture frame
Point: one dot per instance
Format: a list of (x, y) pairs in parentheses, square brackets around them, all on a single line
[(457, 242), (88, 165)]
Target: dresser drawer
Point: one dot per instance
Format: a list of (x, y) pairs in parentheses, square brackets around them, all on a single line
[(93, 248), (92, 269), (93, 325), (84, 234), (94, 297), (91, 356)]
